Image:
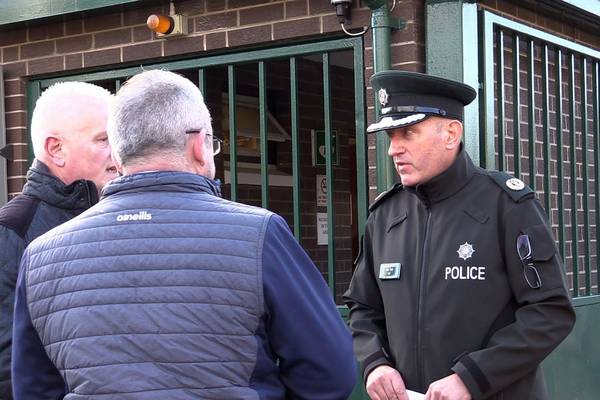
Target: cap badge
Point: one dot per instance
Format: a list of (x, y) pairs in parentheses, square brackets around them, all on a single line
[(515, 184), (383, 97)]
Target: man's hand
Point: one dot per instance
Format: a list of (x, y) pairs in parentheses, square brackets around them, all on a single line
[(448, 388), (385, 383)]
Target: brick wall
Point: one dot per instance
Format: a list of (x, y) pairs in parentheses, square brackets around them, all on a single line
[(117, 36)]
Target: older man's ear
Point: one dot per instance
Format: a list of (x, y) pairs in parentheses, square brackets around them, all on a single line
[(54, 151), (454, 129)]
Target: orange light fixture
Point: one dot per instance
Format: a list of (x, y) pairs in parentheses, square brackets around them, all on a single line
[(161, 24)]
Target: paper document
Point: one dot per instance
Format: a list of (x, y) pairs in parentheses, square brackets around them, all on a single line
[(415, 395)]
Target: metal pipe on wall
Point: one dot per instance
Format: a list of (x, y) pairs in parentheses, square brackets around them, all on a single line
[(382, 24)]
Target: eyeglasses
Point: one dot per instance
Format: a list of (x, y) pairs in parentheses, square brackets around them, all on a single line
[(216, 141), (529, 271)]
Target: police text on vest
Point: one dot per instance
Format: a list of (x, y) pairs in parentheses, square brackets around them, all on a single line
[(465, 273)]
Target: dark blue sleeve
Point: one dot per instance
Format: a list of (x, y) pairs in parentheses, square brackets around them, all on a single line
[(34, 376), (305, 330)]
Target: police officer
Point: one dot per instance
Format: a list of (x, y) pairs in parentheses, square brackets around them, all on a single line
[(459, 291)]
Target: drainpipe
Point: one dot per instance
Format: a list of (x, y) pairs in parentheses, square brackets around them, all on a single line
[(382, 24)]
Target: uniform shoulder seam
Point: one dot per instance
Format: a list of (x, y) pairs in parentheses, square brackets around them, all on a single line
[(383, 196)]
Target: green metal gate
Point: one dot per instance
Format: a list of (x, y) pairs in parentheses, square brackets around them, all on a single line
[(540, 120), (294, 95)]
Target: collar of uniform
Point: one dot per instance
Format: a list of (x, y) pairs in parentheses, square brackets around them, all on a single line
[(41, 184), (448, 182), (163, 181)]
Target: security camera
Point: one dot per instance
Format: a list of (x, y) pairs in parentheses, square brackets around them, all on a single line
[(342, 10)]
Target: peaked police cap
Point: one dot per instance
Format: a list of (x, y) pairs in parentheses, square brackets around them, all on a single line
[(407, 98)]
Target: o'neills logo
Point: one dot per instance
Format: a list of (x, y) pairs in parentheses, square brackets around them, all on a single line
[(141, 216)]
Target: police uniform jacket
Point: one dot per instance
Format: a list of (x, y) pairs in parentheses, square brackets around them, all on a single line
[(439, 287)]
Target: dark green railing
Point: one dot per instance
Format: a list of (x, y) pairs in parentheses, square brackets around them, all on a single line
[(547, 139), (322, 52)]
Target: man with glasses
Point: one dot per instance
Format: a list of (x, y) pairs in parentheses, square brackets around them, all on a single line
[(164, 290), (459, 291)]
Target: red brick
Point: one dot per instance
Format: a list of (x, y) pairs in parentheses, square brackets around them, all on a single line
[(45, 65), (215, 40), (16, 135), (257, 34), (408, 12), (13, 70), (46, 31), (13, 36), (295, 8), (507, 7), (550, 24), (190, 7), (16, 119), (216, 21), (75, 43), (111, 38), (39, 49), (101, 57), (10, 54), (73, 27), (74, 61), (489, 3), (21, 151), (14, 103), (268, 13), (142, 51), (589, 39), (138, 15), (569, 30), (244, 3), (215, 5), (141, 34), (527, 15), (320, 7), (14, 86), (102, 22), (15, 185), (301, 27), (21, 167), (190, 44)]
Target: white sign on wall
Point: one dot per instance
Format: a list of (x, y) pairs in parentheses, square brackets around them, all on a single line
[(321, 191), (322, 229)]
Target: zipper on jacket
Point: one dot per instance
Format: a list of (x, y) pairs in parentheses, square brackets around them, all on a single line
[(420, 296)]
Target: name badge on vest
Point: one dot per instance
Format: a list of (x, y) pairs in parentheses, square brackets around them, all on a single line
[(390, 271)]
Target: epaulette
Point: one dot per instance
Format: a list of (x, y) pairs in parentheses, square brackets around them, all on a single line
[(516, 188), (383, 196), (17, 214)]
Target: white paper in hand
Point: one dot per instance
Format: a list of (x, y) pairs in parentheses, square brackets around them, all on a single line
[(415, 395)]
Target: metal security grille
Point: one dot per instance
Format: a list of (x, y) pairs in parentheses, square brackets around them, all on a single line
[(540, 117), (271, 106)]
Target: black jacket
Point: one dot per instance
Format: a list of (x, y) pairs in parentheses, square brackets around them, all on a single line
[(453, 297), (45, 203)]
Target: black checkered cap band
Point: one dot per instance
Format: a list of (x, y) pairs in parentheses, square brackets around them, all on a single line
[(413, 110)]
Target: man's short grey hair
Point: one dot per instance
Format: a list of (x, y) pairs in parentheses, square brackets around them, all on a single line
[(151, 114), (54, 100)]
